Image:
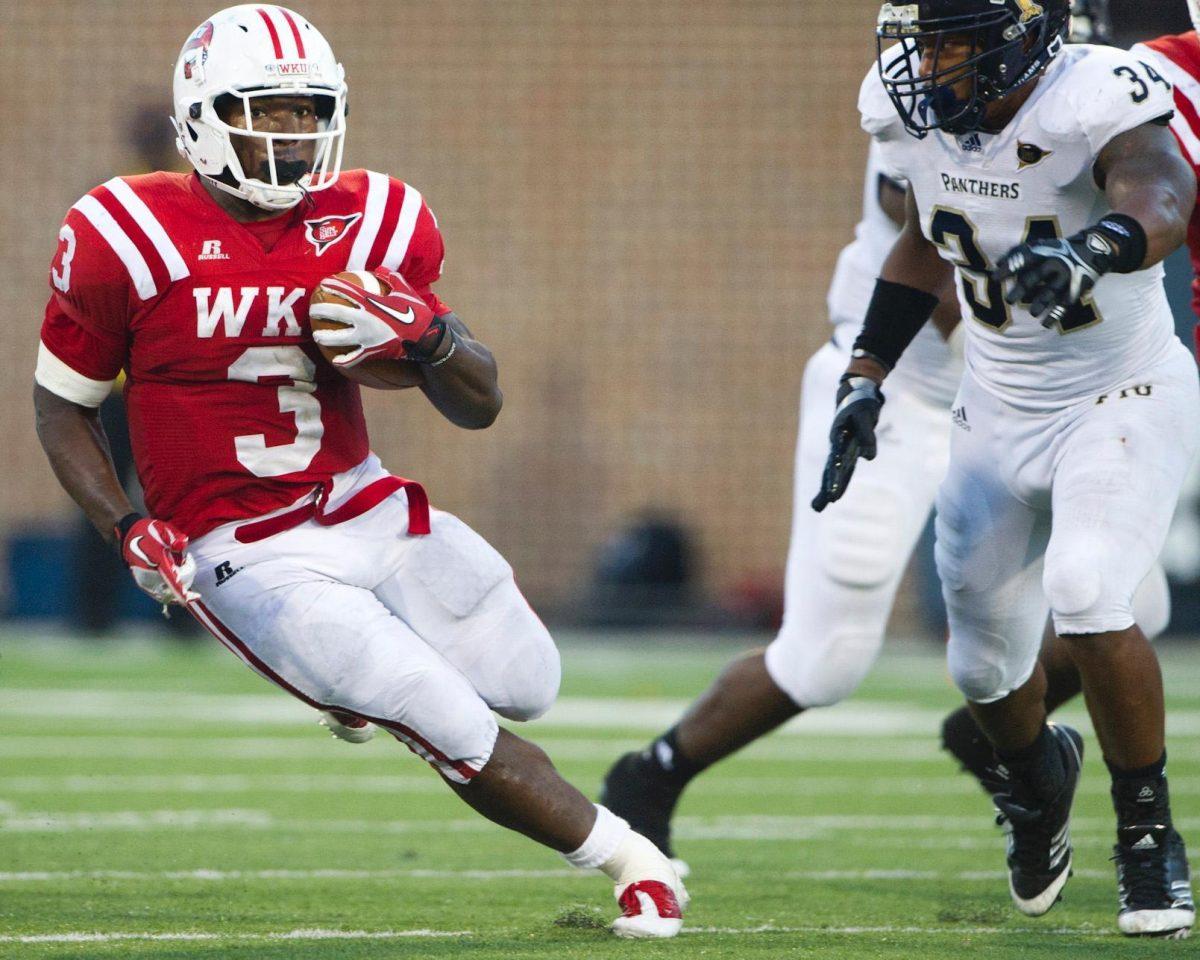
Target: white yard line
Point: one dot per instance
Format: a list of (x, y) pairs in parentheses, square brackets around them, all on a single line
[(948, 784), (239, 876), (893, 930), (85, 937), (300, 935), (910, 829), (859, 717), (222, 876), (318, 745)]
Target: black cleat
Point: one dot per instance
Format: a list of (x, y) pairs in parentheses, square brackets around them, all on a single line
[(1039, 837), (634, 788), (965, 742), (1154, 886)]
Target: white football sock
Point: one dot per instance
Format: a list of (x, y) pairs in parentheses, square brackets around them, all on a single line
[(622, 855), (608, 833)]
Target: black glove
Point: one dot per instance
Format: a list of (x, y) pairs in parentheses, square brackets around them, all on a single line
[(1052, 275), (852, 435)]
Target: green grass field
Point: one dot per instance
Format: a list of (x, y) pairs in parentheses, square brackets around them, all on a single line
[(163, 802)]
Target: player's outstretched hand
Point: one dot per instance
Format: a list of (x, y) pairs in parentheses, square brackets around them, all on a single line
[(852, 435), (1052, 275), (157, 557), (395, 326)]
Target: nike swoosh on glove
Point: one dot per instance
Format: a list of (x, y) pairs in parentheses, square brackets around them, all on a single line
[(397, 325), (851, 436), (157, 557)]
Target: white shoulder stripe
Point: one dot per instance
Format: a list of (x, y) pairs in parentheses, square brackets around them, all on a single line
[(397, 248), (122, 246), (1187, 138), (377, 194), (149, 223), (68, 383)]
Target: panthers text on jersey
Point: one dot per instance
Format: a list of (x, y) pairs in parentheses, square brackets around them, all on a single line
[(980, 194), (233, 412), (1178, 59)]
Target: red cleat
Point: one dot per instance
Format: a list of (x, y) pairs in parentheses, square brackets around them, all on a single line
[(650, 908)]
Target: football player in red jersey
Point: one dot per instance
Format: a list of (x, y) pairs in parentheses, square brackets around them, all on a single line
[(1178, 58), (269, 518)]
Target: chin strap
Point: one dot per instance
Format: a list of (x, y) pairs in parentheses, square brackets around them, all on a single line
[(254, 195)]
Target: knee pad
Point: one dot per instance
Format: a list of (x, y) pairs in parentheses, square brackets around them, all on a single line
[(821, 670), (1082, 598), (526, 686), (1072, 584), (1152, 603), (979, 677), (534, 693)]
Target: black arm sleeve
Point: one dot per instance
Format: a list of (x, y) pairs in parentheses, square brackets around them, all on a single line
[(896, 313)]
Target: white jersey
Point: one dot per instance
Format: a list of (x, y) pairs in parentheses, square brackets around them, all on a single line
[(931, 368), (981, 194)]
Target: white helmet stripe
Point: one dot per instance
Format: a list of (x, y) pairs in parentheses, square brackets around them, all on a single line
[(135, 264), (397, 247), (142, 216), (377, 194)]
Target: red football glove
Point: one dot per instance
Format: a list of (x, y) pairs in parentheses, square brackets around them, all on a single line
[(155, 553), (395, 326)]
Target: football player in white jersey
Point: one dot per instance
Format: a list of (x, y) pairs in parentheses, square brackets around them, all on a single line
[(1047, 176), (844, 566)]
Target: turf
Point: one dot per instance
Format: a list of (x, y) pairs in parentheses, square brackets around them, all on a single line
[(160, 791)]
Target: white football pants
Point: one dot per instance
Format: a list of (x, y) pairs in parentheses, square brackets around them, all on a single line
[(1067, 511), (423, 635), (845, 564)]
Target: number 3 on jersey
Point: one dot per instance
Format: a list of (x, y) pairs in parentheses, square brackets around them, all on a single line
[(296, 397), (954, 233)]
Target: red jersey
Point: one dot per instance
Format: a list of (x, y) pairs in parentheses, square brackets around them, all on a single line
[(1178, 59), (233, 412)]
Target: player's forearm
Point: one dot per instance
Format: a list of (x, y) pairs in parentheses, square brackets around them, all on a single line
[(464, 388), (1163, 214), (910, 284), (77, 449), (1145, 178)]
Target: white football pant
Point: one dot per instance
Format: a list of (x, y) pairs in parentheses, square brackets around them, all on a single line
[(1066, 511), (422, 635), (845, 564)]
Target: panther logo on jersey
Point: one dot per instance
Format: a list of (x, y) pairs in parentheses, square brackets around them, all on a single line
[(327, 231)]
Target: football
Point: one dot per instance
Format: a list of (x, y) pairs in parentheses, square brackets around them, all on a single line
[(378, 374)]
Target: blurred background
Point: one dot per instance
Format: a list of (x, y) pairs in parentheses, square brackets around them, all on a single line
[(642, 204)]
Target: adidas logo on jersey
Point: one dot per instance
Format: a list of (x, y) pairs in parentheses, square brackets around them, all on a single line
[(971, 143), (959, 418), (212, 251)]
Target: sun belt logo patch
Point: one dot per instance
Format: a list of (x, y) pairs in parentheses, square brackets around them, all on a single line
[(327, 231)]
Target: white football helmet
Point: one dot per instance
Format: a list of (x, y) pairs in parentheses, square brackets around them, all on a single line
[(252, 51)]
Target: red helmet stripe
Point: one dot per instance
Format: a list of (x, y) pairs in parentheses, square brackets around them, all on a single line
[(274, 34), (295, 32)]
